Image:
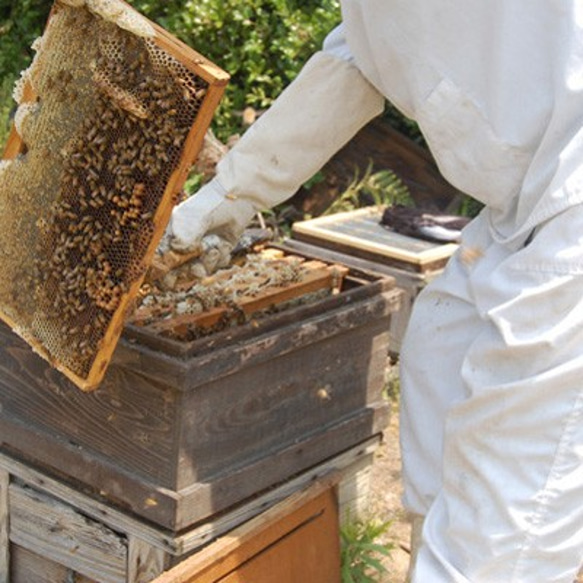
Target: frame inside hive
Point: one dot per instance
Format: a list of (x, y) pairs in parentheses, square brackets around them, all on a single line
[(270, 280), (108, 126)]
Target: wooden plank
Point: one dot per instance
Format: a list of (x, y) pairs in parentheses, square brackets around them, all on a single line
[(298, 332), (309, 552), (251, 538), (410, 283), (206, 498), (366, 288), (28, 567), (130, 419), (145, 561), (354, 490), (4, 526), (99, 511), (59, 533), (196, 537), (310, 392)]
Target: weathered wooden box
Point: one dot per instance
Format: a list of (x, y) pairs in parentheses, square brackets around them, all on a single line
[(179, 432), (53, 533)]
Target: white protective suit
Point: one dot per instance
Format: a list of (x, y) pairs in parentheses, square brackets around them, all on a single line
[(492, 364)]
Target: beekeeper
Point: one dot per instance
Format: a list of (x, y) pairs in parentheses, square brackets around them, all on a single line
[(492, 364)]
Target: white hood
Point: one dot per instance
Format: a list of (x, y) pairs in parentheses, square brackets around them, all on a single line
[(496, 87)]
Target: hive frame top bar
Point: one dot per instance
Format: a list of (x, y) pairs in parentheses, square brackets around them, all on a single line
[(121, 197)]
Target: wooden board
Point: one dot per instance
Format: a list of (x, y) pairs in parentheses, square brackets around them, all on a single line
[(360, 233), (297, 540), (55, 531), (29, 567), (410, 282), (88, 375)]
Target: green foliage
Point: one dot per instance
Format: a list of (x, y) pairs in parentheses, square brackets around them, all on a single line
[(193, 183), (262, 44), (361, 553), (20, 23), (5, 108), (379, 188)]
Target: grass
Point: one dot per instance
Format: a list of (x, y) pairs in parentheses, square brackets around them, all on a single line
[(361, 550)]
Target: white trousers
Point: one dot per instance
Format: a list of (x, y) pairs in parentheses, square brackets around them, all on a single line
[(492, 410)]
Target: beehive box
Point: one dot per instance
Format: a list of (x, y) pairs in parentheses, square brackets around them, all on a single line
[(181, 430), (111, 115)]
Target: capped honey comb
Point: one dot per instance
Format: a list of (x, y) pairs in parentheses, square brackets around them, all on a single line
[(111, 115)]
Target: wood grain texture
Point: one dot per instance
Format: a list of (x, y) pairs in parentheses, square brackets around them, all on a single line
[(293, 334), (339, 465), (233, 553), (179, 545), (4, 527), (145, 561), (129, 420), (304, 393), (410, 283), (59, 533), (308, 553), (359, 233), (28, 567), (178, 437), (101, 511)]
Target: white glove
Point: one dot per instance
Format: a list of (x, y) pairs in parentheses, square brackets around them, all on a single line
[(209, 211)]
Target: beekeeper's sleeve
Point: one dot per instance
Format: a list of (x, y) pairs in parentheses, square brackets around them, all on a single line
[(313, 118)]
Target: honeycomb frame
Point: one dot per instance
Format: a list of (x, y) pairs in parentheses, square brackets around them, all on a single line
[(111, 141)]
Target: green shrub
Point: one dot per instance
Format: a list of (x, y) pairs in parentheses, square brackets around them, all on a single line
[(382, 187), (361, 552), (20, 23), (262, 44)]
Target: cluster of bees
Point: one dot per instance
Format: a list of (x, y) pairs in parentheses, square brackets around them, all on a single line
[(115, 171), (259, 273)]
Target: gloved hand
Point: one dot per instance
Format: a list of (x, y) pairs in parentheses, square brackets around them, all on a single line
[(202, 231), (210, 211), (170, 268)]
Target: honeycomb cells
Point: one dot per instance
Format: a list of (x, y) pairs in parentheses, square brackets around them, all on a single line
[(115, 114)]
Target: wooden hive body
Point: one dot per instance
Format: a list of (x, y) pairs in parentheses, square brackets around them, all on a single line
[(180, 431)]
